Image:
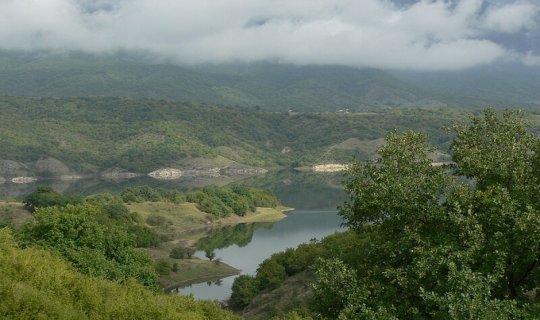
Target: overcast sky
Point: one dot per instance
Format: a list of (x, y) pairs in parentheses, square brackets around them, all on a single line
[(398, 34)]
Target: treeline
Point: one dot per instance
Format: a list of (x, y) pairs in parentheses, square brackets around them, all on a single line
[(142, 135), (428, 242)]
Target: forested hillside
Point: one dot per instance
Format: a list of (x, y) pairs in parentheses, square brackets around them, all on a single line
[(269, 85), (141, 135)]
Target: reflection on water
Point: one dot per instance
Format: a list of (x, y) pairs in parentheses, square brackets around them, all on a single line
[(299, 227), (300, 190), (239, 235), (315, 197)]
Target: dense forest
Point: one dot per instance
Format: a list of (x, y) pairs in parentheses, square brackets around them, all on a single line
[(141, 135), (425, 242)]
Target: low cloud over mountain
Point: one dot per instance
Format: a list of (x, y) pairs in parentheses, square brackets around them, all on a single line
[(412, 35)]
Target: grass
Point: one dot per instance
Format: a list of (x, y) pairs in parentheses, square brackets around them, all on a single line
[(181, 217), (13, 214)]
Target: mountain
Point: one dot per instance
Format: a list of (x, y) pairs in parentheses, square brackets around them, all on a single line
[(500, 85), (273, 86)]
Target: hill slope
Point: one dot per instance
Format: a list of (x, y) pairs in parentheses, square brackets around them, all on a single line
[(142, 135), (270, 85)]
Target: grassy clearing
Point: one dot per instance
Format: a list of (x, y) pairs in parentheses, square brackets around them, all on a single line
[(13, 214), (181, 217)]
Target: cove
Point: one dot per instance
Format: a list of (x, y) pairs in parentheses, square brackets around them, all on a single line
[(299, 227)]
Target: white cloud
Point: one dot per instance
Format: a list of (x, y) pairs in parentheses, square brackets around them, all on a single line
[(429, 35), (531, 59), (511, 18)]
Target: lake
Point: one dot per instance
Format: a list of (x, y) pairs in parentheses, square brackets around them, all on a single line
[(314, 196), (299, 227)]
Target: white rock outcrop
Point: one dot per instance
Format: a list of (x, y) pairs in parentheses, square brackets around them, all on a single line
[(331, 167), (24, 180), (166, 174)]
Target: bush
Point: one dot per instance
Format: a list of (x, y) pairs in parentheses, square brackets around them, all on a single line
[(163, 267), (244, 289), (144, 236), (157, 220), (178, 253), (45, 196)]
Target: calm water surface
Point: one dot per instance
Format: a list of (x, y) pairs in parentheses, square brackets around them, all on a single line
[(299, 227)]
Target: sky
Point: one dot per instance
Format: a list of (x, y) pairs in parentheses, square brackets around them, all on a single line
[(398, 34)]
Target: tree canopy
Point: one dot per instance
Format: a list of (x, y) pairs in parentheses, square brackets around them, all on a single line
[(458, 242)]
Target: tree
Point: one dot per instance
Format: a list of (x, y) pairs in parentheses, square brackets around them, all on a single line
[(439, 248), (76, 233), (45, 196), (210, 255), (244, 289)]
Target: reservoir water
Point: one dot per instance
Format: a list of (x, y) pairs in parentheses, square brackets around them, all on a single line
[(314, 196), (299, 227)]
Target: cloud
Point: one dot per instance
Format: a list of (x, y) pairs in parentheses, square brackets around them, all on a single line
[(425, 35), (531, 59), (511, 18)]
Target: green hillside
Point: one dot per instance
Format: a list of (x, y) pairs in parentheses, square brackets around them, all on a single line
[(39, 285), (269, 85), (142, 135)]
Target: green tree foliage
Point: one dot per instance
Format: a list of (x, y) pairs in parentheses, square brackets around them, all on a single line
[(221, 202), (244, 289), (144, 236), (163, 267), (151, 194), (210, 255), (142, 135), (94, 248), (442, 249), (45, 196), (270, 274), (178, 253), (37, 284), (274, 270)]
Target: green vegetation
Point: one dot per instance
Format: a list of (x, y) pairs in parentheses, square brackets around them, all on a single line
[(13, 214), (39, 285), (268, 85), (147, 193), (45, 196), (79, 234), (221, 202), (141, 135), (424, 244)]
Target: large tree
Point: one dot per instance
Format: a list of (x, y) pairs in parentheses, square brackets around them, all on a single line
[(459, 242)]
